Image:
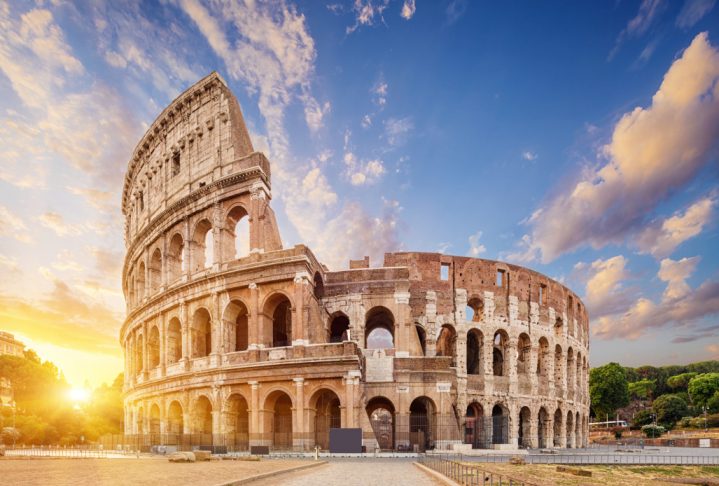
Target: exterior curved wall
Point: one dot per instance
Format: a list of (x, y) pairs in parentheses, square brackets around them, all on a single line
[(268, 347)]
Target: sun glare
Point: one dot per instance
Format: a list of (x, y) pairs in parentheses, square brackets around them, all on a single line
[(79, 394)]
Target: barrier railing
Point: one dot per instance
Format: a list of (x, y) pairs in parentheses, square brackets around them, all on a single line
[(468, 474)]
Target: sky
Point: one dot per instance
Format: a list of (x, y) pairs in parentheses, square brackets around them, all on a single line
[(579, 139)]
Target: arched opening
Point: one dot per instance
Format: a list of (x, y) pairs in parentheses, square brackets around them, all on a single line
[(139, 361), (570, 430), (339, 328), (201, 335), (577, 431), (238, 228), (570, 374), (578, 377), (175, 258), (542, 359), (380, 411), (524, 433), (475, 341), (153, 347), (140, 418), (154, 420), (447, 343), (500, 349), (140, 283), (237, 423), (131, 288), (202, 420), (421, 426), (236, 321), (155, 271), (474, 432), (500, 424), (319, 289), (524, 351), (558, 369), (202, 246), (558, 327), (475, 310), (379, 329), (558, 428), (325, 412), (542, 428), (174, 341), (175, 421), (422, 338), (282, 324), (279, 419)]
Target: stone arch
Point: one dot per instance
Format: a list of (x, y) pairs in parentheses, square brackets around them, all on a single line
[(558, 369), (447, 343), (381, 413), (577, 431), (501, 423), (153, 347), (174, 341), (278, 419), (524, 433), (237, 228), (524, 352), (474, 432), (500, 350), (140, 420), (278, 307), (237, 422), (379, 328), (175, 418), (155, 271), (571, 368), (543, 359), (422, 425), (140, 283), (542, 428), (202, 419), (325, 414), (558, 419), (421, 338), (319, 286), (155, 419), (236, 319), (475, 345), (570, 429), (201, 333), (339, 327), (202, 248), (175, 258), (139, 361), (475, 309)]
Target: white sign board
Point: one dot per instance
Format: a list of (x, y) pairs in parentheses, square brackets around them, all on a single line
[(443, 387), (704, 442)]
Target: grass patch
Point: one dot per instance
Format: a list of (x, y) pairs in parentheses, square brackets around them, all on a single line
[(713, 470), (657, 470)]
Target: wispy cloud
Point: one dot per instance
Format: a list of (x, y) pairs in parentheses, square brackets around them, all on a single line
[(475, 247), (408, 9), (367, 13), (529, 155), (693, 11), (12, 225), (455, 10), (649, 11), (397, 130)]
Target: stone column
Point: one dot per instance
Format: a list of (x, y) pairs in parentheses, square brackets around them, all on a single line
[(298, 429), (299, 326), (217, 230), (184, 319), (550, 430), (402, 324), (187, 250), (163, 416), (216, 323), (145, 357), (563, 431), (255, 430), (514, 425), (348, 402), (532, 372), (163, 264), (254, 319), (488, 359), (513, 355), (534, 429), (163, 344)]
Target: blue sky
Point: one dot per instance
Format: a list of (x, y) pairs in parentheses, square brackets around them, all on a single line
[(576, 138)]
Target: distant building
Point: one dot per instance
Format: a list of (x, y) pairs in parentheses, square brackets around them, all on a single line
[(10, 345)]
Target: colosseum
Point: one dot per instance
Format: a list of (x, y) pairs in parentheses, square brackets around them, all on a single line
[(232, 340)]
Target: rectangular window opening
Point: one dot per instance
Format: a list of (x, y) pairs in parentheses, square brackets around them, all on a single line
[(444, 271), (175, 164), (541, 294), (500, 278)]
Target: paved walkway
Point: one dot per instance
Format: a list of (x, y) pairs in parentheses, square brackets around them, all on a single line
[(358, 473)]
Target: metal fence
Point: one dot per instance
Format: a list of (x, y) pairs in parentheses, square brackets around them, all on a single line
[(80, 452), (468, 474), (600, 459)]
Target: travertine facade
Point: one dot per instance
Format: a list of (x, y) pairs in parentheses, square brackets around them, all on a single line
[(239, 341)]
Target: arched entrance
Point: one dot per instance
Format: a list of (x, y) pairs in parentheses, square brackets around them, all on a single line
[(474, 430), (155, 422), (524, 431), (236, 325), (500, 424), (278, 420), (202, 420), (421, 424), (499, 353), (570, 430), (201, 336), (237, 429), (280, 309), (174, 341), (381, 416), (175, 420), (325, 414), (379, 329), (542, 428), (447, 343), (558, 428), (474, 352), (339, 328), (153, 347)]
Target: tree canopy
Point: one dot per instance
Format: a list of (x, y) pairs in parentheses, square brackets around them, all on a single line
[(703, 387), (608, 388)]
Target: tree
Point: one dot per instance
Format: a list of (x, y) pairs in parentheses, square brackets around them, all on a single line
[(680, 382), (703, 387), (713, 403), (642, 417), (608, 389), (642, 390), (669, 409)]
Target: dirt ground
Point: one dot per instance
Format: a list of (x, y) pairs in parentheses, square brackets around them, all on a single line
[(604, 475), (150, 471)]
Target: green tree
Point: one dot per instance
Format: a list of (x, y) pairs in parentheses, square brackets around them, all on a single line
[(608, 389), (642, 417), (642, 389), (713, 403), (669, 409), (680, 382), (703, 387)]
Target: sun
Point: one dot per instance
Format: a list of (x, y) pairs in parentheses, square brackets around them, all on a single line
[(79, 395)]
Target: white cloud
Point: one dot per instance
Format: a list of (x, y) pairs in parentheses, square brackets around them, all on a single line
[(605, 289), (652, 152), (408, 9), (662, 237), (314, 113), (56, 222), (455, 9), (675, 273), (379, 91), (649, 11), (397, 129), (12, 225), (367, 13), (475, 247), (529, 155), (366, 121), (693, 11)]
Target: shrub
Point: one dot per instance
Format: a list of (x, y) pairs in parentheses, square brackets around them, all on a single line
[(669, 409), (642, 417), (653, 431)]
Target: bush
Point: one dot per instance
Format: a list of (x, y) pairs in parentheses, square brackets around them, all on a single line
[(653, 431), (713, 403), (642, 417), (669, 409)]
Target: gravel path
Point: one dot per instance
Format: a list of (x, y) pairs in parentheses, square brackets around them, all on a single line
[(358, 473)]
